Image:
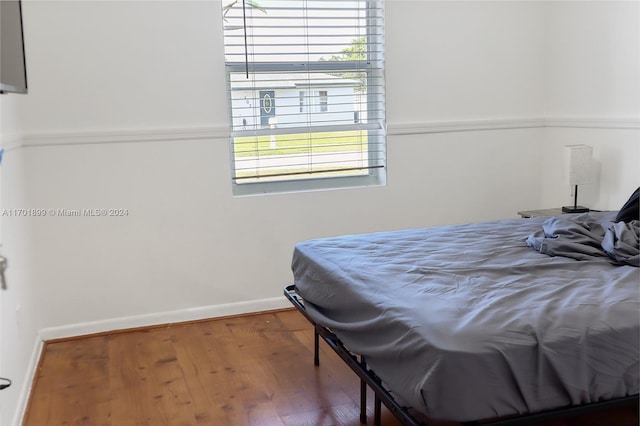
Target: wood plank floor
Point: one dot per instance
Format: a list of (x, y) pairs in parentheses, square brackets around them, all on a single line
[(248, 370)]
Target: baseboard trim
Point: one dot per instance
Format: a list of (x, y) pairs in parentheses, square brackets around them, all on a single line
[(123, 323), (30, 374), (168, 317)]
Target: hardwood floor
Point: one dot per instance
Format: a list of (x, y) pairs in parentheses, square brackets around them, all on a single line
[(249, 370)]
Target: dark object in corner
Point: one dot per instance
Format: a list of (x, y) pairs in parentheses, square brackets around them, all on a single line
[(13, 67), (6, 383), (630, 209)]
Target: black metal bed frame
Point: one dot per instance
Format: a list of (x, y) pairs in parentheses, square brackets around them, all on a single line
[(358, 365)]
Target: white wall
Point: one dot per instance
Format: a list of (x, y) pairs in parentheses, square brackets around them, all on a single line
[(187, 241), (464, 60), (127, 110), (18, 332), (616, 153), (99, 66), (593, 97), (593, 54)]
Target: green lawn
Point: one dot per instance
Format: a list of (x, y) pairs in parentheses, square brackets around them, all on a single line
[(301, 143), (297, 173)]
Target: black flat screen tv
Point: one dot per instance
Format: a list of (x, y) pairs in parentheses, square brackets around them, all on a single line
[(13, 68)]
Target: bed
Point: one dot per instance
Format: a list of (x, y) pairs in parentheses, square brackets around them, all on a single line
[(485, 321)]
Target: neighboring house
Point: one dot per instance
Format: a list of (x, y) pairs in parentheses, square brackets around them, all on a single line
[(293, 100)]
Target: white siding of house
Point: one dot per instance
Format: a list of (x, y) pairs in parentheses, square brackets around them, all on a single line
[(340, 108)]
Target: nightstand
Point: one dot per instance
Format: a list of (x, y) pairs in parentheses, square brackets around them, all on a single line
[(543, 212)]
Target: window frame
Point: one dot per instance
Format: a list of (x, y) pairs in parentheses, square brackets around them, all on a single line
[(374, 175)]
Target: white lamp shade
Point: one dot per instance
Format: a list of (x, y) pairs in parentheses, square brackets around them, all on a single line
[(578, 164)]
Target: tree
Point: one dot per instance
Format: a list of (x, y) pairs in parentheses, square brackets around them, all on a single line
[(250, 3), (356, 52)]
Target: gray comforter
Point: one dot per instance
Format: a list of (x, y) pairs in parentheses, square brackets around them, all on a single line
[(468, 322), (585, 237)]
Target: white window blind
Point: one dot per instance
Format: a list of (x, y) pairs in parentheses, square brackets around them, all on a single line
[(306, 91)]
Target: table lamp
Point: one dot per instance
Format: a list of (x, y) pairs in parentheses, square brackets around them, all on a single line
[(578, 168)]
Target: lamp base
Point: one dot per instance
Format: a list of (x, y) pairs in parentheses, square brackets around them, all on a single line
[(575, 209)]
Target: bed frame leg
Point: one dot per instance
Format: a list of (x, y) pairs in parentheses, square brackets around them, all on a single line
[(316, 347), (377, 411), (377, 406), (363, 394)]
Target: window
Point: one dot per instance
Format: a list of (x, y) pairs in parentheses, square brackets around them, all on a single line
[(324, 100), (284, 59)]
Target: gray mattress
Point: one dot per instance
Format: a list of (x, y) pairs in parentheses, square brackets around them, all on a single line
[(468, 322)]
